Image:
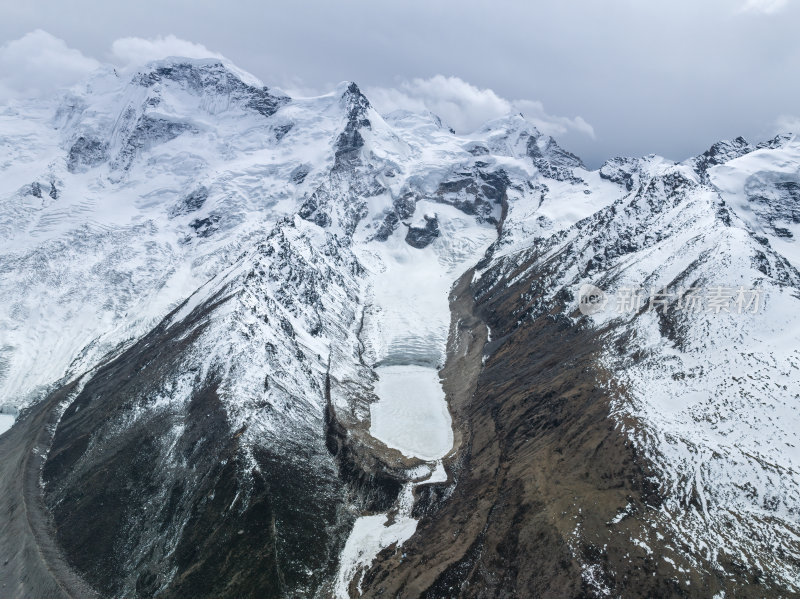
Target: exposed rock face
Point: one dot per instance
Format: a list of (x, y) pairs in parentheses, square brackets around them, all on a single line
[(553, 161), (350, 141), (621, 171), (420, 237), (777, 142), (478, 192), (191, 203), (205, 227), (86, 153), (157, 486), (776, 202), (403, 208), (146, 132), (349, 177), (720, 153)]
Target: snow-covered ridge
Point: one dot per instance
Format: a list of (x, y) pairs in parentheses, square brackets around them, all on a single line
[(714, 396), (133, 190), (142, 191)]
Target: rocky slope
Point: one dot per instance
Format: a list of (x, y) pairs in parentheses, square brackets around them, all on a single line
[(643, 450), (226, 313)]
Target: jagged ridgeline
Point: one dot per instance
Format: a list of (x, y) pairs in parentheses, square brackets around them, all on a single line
[(262, 346)]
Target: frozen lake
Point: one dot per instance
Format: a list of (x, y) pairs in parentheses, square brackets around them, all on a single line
[(411, 415), (6, 420)]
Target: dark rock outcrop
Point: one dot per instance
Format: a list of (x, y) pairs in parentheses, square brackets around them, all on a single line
[(720, 153), (205, 227), (621, 171), (477, 191), (421, 237), (86, 153), (191, 203), (148, 131), (174, 504), (350, 141), (552, 160), (776, 202)]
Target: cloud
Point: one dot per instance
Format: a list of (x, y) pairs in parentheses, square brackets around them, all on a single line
[(39, 64), (461, 105), (296, 87), (138, 50), (787, 124), (466, 107), (549, 124), (764, 7)]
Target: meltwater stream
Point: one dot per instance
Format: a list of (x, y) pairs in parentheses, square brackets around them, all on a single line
[(412, 417)]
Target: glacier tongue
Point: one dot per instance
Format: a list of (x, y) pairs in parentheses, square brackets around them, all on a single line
[(405, 329)]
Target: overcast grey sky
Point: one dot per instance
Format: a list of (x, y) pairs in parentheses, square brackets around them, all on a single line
[(607, 77)]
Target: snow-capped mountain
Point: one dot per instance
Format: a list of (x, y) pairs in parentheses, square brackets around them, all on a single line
[(275, 346), (697, 352)]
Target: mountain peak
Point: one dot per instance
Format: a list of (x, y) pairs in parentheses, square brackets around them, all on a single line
[(197, 70), (208, 77), (355, 102)]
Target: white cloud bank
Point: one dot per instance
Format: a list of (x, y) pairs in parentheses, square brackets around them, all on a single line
[(466, 107), (787, 123), (39, 64), (136, 51), (764, 7)]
